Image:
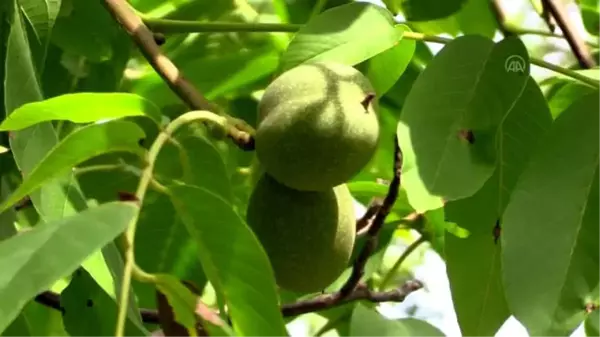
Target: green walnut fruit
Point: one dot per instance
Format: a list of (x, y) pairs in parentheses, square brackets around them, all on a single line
[(317, 126), (307, 235)]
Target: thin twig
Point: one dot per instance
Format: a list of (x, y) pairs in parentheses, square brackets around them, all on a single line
[(372, 234), (576, 42), (144, 39), (405, 254), (359, 293)]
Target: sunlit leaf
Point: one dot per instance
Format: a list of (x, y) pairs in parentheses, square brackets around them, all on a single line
[(81, 108), (233, 260), (338, 35), (84, 143), (32, 261)]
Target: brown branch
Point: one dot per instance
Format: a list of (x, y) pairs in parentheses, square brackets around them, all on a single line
[(359, 293), (373, 231), (500, 18), (144, 38), (363, 224), (576, 42), (52, 300)]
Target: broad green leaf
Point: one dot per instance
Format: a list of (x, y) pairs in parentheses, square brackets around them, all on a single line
[(86, 30), (384, 69), (37, 320), (233, 260), (592, 324), (476, 17), (338, 35), (32, 261), (90, 311), (81, 108), (41, 14), (368, 322), (473, 263), (589, 13), (566, 95), (469, 86), (183, 302), (550, 230), (82, 144), (427, 10), (365, 190)]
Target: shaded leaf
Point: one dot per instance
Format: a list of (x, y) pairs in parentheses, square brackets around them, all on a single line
[(86, 30), (81, 108), (90, 311), (82, 144), (338, 34), (42, 15), (32, 261), (589, 14), (467, 87), (550, 227), (476, 17), (473, 263), (384, 69), (36, 320), (426, 10), (369, 322), (233, 260)]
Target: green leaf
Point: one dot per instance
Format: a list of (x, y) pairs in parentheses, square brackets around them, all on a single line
[(82, 144), (42, 15), (468, 87), (589, 14), (338, 35), (550, 227), (384, 69), (426, 10), (37, 320), (566, 95), (233, 260), (81, 108), (476, 17), (90, 311), (86, 30), (32, 261), (473, 263), (592, 324), (369, 322)]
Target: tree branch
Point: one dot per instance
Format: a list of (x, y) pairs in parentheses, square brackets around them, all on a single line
[(373, 231), (359, 293), (577, 44), (52, 300), (145, 41)]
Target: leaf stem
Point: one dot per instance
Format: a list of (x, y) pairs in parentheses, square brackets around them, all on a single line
[(411, 248), (567, 72), (184, 26), (131, 269), (526, 31)]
